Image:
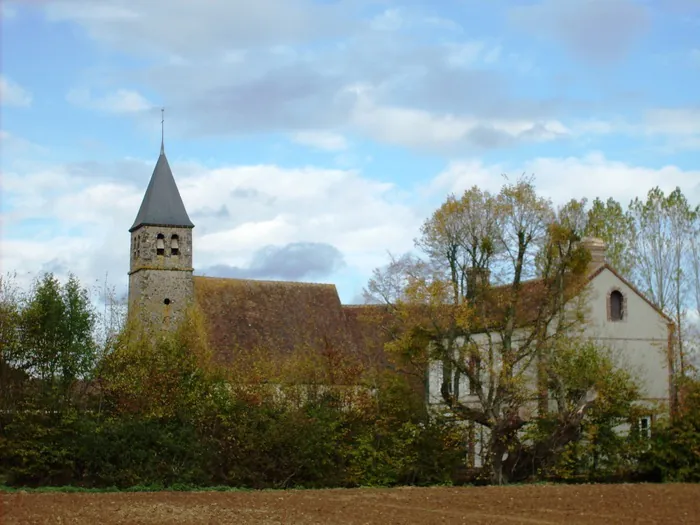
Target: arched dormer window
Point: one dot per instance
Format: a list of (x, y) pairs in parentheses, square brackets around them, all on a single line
[(616, 306), (160, 244), (174, 245)]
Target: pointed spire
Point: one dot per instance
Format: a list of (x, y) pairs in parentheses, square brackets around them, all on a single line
[(162, 204), (162, 131)]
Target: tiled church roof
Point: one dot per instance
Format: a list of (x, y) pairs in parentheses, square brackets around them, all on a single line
[(249, 316)]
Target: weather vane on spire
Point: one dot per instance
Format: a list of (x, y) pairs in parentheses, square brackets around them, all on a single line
[(162, 130)]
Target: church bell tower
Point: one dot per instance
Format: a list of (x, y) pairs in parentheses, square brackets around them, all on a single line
[(160, 277)]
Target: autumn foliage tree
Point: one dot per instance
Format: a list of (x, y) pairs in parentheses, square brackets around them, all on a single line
[(495, 297)]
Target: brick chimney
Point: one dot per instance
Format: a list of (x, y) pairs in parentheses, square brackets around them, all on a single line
[(597, 247), (477, 281)]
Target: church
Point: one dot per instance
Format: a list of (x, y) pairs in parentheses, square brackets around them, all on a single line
[(244, 316)]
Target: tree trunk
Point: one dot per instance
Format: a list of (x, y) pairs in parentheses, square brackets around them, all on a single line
[(497, 476)]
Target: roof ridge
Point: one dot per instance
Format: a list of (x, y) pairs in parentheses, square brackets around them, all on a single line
[(265, 281), (362, 305)]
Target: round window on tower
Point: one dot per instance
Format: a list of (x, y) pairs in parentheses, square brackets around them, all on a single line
[(166, 301)]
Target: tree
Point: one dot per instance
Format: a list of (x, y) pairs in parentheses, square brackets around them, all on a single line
[(57, 345), (577, 440), (159, 375), (694, 332), (12, 378), (499, 341), (673, 456), (609, 222), (664, 235)]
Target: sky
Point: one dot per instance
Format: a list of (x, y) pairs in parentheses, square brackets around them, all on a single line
[(310, 138)]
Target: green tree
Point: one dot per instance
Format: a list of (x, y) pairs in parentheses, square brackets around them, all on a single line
[(609, 222), (578, 438), (675, 452), (57, 345), (12, 378)]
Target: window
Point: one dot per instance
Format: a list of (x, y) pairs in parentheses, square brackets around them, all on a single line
[(644, 426), (160, 244), (616, 305), (174, 245)]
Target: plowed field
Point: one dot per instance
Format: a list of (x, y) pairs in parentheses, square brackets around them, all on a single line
[(536, 505)]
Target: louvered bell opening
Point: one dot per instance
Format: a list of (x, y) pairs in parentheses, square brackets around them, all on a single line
[(175, 245)]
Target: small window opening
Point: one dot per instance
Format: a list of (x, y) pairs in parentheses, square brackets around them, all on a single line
[(174, 245), (160, 244), (616, 312), (166, 301), (644, 426)]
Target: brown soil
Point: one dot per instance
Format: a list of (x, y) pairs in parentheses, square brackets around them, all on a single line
[(535, 505)]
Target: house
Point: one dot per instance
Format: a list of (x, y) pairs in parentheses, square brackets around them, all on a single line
[(617, 316), (244, 316)]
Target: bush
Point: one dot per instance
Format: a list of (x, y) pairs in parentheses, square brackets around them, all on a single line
[(674, 455), (234, 442), (154, 412), (39, 448)]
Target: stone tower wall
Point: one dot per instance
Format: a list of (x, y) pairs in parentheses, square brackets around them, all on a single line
[(160, 286)]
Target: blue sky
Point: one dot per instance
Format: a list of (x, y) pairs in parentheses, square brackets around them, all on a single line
[(308, 138)]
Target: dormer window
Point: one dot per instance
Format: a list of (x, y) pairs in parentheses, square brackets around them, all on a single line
[(616, 303), (160, 244), (174, 245)]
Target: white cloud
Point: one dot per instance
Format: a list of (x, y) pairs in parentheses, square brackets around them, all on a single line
[(567, 178), (236, 210), (93, 12), (673, 121), (12, 145), (120, 101), (389, 20), (469, 53), (7, 12), (324, 140), (493, 55), (189, 29), (465, 54), (275, 65), (599, 32), (425, 130), (12, 94), (234, 56), (695, 56), (239, 209)]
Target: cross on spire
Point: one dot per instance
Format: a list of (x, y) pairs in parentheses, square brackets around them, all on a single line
[(162, 131)]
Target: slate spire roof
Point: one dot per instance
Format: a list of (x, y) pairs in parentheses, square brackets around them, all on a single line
[(162, 204)]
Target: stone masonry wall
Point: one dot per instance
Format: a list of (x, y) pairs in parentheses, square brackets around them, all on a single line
[(160, 286)]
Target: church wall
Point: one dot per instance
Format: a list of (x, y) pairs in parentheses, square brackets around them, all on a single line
[(143, 248), (160, 286)]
